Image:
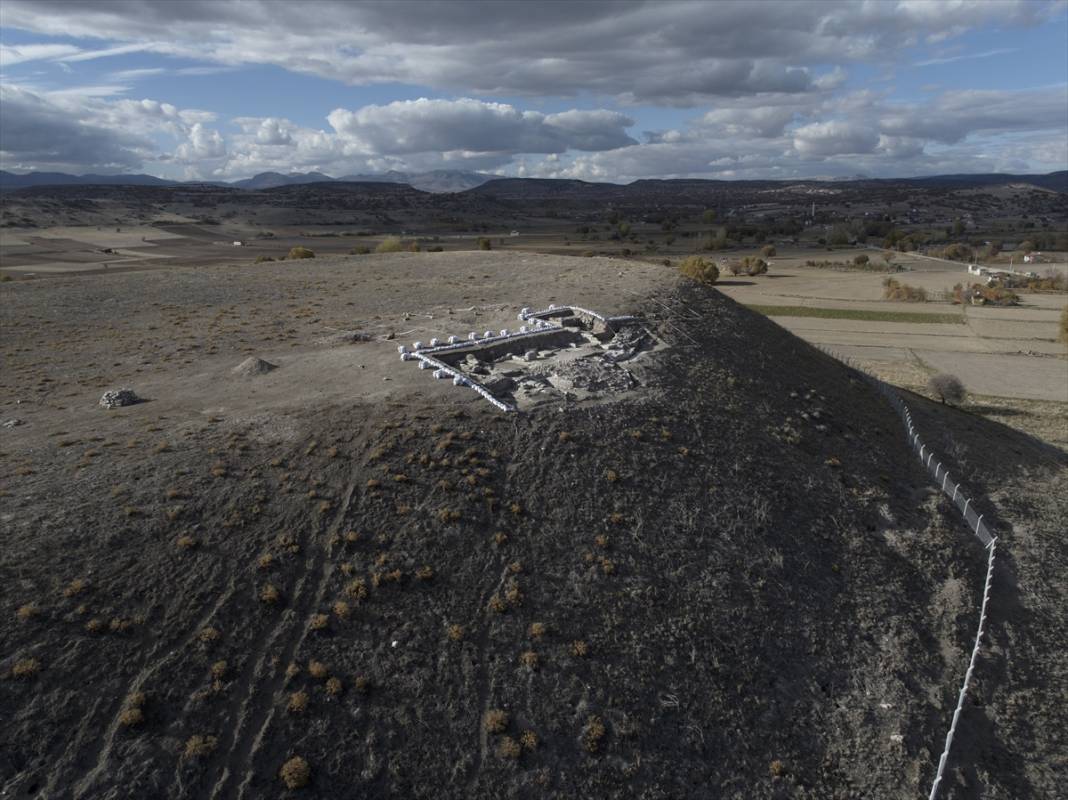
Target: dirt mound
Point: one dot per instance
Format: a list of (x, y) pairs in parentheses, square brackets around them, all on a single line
[(737, 582), (254, 366)]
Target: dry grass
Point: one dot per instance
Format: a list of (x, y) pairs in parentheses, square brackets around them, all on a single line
[(593, 734), (295, 773), (298, 702), (357, 589), (75, 587), (199, 746), (131, 717), (509, 748), (495, 720), (26, 668)]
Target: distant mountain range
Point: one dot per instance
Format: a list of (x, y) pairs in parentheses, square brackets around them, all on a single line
[(441, 180)]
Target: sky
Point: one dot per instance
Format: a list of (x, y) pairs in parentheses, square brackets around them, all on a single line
[(602, 91)]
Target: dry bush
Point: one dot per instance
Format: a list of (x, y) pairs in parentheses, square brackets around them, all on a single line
[(75, 587), (768, 250), (538, 629), (131, 717), (292, 671), (948, 388), (895, 290), (980, 294), (484, 243), (218, 670), (318, 622), (529, 740), (341, 609), (333, 686), (455, 632), (266, 561), (199, 746), (579, 648), (208, 635), (509, 748), (186, 542), (495, 720), (26, 668), (699, 269), (529, 659), (295, 773), (777, 769), (611, 476), (362, 684), (300, 252), (269, 594), (593, 734), (298, 702), (357, 589), (317, 669), (497, 604), (424, 573), (391, 244), (27, 612), (601, 540)]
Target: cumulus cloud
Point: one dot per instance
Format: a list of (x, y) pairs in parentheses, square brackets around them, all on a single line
[(835, 138)]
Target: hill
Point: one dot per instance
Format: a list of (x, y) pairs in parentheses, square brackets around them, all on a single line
[(731, 578)]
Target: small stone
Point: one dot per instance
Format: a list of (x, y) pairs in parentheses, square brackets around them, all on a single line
[(11, 423)]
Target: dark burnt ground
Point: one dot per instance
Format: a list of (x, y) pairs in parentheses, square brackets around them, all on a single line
[(735, 603)]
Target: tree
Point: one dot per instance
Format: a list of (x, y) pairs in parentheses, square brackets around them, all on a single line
[(948, 388), (700, 270), (1027, 246)]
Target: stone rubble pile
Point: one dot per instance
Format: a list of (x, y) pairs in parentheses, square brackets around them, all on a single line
[(117, 398)]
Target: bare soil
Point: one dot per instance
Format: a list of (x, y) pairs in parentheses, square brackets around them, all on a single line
[(747, 585)]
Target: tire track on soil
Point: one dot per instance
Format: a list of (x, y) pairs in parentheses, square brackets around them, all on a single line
[(257, 708)]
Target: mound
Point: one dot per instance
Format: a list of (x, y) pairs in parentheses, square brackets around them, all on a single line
[(254, 366), (737, 582)]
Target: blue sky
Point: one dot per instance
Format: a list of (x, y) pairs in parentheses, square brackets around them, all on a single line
[(593, 90)]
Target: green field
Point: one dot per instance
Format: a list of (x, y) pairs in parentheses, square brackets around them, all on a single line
[(847, 313)]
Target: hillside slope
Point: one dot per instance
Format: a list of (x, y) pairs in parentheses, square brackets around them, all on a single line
[(745, 587)]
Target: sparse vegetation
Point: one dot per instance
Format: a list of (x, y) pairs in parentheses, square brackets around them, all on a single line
[(295, 773), (948, 388), (699, 269), (495, 720), (895, 290)]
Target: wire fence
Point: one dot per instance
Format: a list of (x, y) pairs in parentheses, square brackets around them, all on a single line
[(972, 518)]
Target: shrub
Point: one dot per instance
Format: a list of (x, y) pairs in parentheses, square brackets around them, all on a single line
[(699, 269), (484, 243), (495, 720), (131, 717), (895, 290), (1064, 325), (529, 659), (860, 260), (768, 250), (958, 252), (362, 250), (295, 773), (978, 294), (529, 740), (199, 746), (391, 244), (262, 259), (509, 748), (538, 629), (317, 669), (579, 648), (947, 387), (1027, 246), (298, 702), (300, 252), (593, 734), (755, 266), (26, 668)]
